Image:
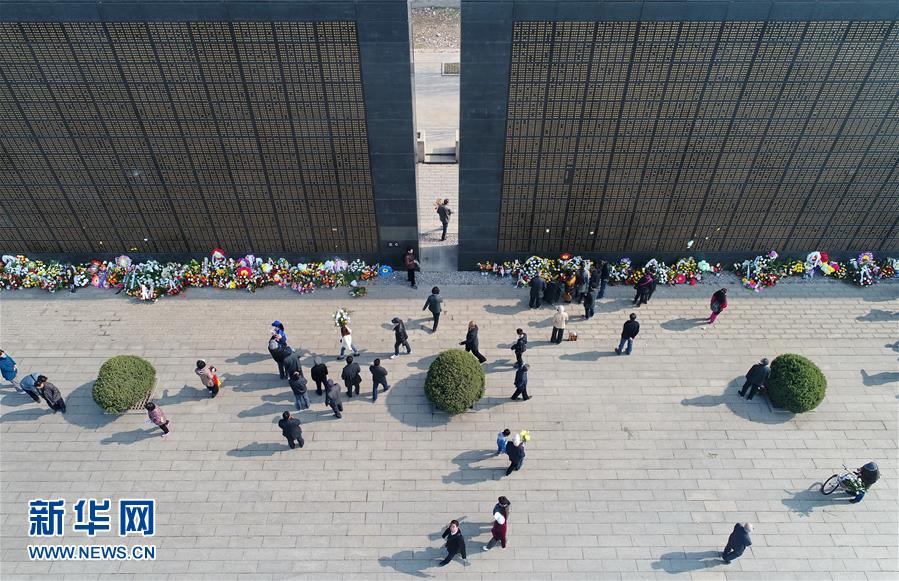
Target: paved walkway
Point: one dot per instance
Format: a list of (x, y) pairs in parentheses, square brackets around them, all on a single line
[(639, 466)]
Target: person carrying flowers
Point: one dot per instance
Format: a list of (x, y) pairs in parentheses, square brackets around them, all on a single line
[(718, 304)]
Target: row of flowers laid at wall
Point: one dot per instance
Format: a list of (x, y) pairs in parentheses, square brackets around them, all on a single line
[(152, 279), (764, 270)]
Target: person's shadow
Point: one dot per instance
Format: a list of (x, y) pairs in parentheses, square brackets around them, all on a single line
[(507, 309), (684, 324), (413, 562), (879, 316), (248, 358), (587, 356), (757, 410), (879, 378), (256, 449), (468, 473), (682, 562), (804, 502), (132, 436)]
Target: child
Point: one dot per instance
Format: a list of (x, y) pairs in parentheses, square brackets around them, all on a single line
[(501, 440), (208, 377), (157, 416)]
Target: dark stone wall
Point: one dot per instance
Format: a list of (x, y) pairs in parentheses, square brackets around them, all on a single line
[(264, 127), (637, 127)]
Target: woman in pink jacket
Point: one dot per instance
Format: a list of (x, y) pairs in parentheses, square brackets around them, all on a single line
[(157, 416)]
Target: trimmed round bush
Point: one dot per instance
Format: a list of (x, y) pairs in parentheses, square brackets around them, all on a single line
[(123, 382), (796, 384), (455, 381)]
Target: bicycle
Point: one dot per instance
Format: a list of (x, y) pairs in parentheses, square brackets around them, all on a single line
[(848, 481)]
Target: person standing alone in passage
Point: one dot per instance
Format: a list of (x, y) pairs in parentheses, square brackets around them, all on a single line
[(737, 542), (628, 333), (155, 415), (290, 429), (560, 319), (455, 543), (444, 212), (412, 266), (756, 377), (717, 304), (520, 346), (434, 303)]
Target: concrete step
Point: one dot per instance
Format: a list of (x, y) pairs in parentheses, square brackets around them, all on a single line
[(443, 258)]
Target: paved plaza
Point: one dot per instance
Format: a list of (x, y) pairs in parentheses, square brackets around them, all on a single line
[(638, 468)]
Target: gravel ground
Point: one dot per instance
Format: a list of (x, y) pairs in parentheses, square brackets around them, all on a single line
[(436, 28)]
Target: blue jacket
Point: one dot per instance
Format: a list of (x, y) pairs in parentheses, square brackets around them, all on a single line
[(8, 367), (28, 383), (521, 378), (501, 442)]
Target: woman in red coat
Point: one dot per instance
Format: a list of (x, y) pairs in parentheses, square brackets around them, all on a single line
[(500, 523), (718, 304)]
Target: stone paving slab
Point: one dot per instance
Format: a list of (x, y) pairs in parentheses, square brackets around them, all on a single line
[(638, 469)]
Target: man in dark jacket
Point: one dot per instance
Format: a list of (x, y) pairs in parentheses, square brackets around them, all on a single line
[(755, 378), (628, 333), (521, 382), (53, 397), (538, 285), (319, 374), (515, 451), (400, 337), (455, 543), (435, 305), (581, 283), (278, 353), (298, 386), (352, 376), (444, 212), (604, 275), (292, 364), (520, 346), (378, 377), (333, 398), (471, 342), (553, 292), (291, 429), (737, 542), (589, 305)]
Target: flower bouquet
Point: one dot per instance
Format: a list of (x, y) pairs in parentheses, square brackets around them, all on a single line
[(341, 317)]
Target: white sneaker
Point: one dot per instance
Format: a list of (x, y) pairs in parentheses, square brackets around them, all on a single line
[(393, 356)]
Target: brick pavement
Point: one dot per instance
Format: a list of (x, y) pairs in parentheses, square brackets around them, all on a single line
[(639, 466)]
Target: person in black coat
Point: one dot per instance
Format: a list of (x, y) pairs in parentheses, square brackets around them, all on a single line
[(290, 428), (589, 305), (471, 341), (319, 374), (521, 382), (520, 346), (292, 364), (628, 333), (279, 352), (434, 303), (755, 378), (737, 542), (538, 285), (298, 386), (643, 288), (400, 337), (333, 398), (53, 397), (444, 212), (581, 283), (604, 274), (553, 292), (515, 451), (378, 377), (455, 543), (352, 376)]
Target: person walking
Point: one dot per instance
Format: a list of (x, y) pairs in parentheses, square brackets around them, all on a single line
[(500, 523), (279, 353), (538, 285), (718, 304), (319, 374), (521, 382), (502, 438), (515, 451), (444, 212), (755, 378), (434, 303), (378, 377), (52, 396), (581, 283), (455, 543), (643, 287), (9, 370), (604, 274), (333, 397), (628, 333), (589, 305), (737, 542), (208, 377), (298, 386), (471, 341), (400, 337), (352, 376), (520, 346), (346, 342), (560, 320), (155, 415), (31, 385), (290, 429), (412, 266)]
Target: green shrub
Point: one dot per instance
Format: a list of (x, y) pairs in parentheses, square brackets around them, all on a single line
[(455, 381), (796, 384), (123, 382)]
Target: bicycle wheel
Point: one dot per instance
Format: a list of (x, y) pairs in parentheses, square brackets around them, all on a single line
[(831, 484)]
